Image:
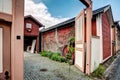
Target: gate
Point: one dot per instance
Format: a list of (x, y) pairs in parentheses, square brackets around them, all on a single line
[(80, 41)]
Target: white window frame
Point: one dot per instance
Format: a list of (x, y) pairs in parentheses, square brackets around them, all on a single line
[(28, 25)]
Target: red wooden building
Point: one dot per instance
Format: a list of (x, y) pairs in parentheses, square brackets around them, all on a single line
[(31, 34), (56, 38)]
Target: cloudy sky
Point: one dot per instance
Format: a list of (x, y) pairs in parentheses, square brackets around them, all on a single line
[(51, 12)]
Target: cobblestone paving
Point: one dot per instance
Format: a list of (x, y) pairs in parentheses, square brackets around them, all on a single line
[(113, 72), (33, 63)]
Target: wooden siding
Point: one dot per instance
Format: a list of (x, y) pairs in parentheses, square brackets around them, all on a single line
[(94, 29), (106, 32), (35, 28)]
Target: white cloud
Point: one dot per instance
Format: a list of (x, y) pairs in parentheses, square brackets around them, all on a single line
[(40, 12)]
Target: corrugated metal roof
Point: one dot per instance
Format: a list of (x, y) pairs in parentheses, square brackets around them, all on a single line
[(95, 12)]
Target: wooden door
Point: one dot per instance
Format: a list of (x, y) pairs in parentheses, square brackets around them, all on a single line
[(80, 41), (5, 50)]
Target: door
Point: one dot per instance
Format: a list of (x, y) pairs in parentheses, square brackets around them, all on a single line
[(80, 41), (5, 50)]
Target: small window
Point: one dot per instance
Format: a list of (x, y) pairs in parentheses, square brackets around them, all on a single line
[(28, 25)]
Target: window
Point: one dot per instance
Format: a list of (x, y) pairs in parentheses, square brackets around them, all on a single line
[(28, 25), (1, 64), (6, 6)]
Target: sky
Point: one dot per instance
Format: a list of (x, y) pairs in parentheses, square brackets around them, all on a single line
[(51, 12)]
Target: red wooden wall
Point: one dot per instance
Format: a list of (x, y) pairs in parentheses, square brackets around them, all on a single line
[(94, 29), (106, 32), (35, 27)]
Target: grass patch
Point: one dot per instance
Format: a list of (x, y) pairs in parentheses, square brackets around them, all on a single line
[(98, 72), (53, 56), (44, 53)]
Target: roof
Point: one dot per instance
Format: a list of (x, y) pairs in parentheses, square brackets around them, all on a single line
[(59, 25), (95, 12), (100, 10), (30, 16)]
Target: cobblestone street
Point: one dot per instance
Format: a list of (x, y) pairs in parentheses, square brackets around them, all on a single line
[(113, 72), (42, 68)]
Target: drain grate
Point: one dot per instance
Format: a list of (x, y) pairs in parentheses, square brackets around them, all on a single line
[(43, 70)]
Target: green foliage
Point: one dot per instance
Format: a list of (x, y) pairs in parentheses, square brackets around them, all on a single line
[(62, 59), (53, 56), (71, 50), (50, 54), (44, 53), (72, 40), (71, 45), (68, 56), (98, 72)]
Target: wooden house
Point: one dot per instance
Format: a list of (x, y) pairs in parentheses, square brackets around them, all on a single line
[(31, 34), (56, 38)]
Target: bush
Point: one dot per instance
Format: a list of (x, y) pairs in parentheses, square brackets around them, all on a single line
[(62, 59), (55, 56), (44, 53), (50, 54), (68, 56), (98, 72)]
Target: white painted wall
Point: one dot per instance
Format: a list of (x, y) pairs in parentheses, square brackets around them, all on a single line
[(1, 51), (95, 53), (6, 6)]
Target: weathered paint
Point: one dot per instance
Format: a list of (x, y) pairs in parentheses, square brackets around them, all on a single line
[(56, 39), (106, 32)]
